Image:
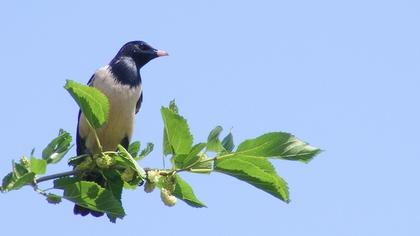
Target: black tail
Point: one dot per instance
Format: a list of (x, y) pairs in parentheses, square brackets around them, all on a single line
[(79, 210)]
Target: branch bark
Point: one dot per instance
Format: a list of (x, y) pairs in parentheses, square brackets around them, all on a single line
[(55, 176)]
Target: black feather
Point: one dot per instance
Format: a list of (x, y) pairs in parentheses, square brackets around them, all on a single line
[(80, 142), (138, 105), (125, 142)]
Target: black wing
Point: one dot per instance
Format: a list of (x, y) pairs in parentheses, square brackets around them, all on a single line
[(90, 82), (138, 105), (80, 142)]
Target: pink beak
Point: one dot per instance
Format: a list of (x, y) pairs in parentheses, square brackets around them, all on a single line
[(161, 53)]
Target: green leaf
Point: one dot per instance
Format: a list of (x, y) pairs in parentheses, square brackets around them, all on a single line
[(11, 182), (178, 136), (21, 181), (19, 177), (184, 192), (38, 166), (114, 182), (213, 141), (93, 103), (167, 149), (256, 171), (214, 144), (125, 159), (227, 143), (145, 152), (94, 197), (134, 148), (278, 145), (57, 148), (182, 161), (7, 180), (129, 160), (19, 169), (61, 183), (74, 161)]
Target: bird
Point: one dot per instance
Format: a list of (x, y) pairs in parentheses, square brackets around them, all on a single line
[(121, 83)]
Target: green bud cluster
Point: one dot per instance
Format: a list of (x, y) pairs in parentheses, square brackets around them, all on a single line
[(104, 161)]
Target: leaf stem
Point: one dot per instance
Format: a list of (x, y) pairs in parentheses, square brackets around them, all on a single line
[(188, 168), (98, 143)]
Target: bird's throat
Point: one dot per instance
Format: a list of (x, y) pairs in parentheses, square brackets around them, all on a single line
[(125, 71)]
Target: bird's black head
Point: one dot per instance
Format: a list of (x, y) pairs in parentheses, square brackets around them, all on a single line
[(140, 52)]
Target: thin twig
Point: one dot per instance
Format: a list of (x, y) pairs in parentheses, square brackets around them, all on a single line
[(40, 191)]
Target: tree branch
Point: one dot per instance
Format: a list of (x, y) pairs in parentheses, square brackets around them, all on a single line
[(55, 176)]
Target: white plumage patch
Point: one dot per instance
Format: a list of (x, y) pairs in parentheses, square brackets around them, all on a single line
[(122, 101)]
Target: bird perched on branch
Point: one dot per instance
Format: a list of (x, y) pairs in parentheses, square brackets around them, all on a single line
[(120, 81)]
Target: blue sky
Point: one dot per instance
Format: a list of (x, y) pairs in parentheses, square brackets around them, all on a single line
[(342, 75)]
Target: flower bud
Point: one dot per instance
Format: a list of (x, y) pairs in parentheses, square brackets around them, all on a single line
[(53, 199), (25, 162)]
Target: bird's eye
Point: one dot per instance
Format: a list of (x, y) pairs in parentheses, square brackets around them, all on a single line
[(143, 47)]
